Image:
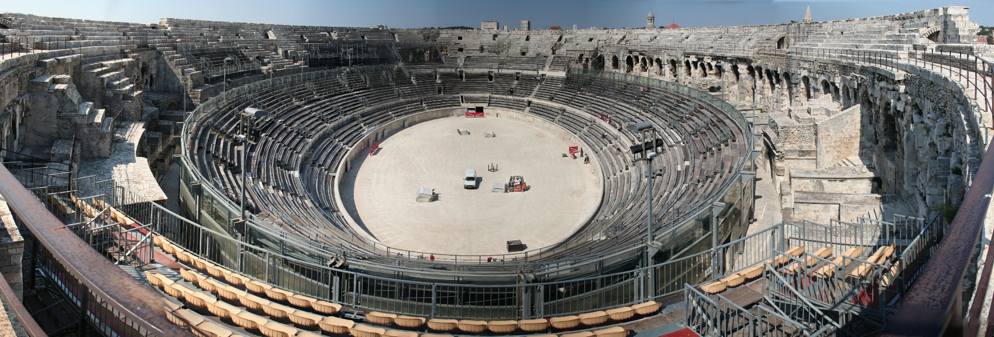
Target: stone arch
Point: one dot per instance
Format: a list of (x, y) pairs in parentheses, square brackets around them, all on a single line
[(703, 68), (643, 64), (782, 42), (687, 67), (579, 59), (598, 63), (735, 71), (629, 64), (659, 66), (826, 88), (673, 67), (614, 62)]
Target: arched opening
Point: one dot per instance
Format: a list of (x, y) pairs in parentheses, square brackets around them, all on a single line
[(490, 76), (934, 36), (789, 85), (846, 96), (826, 89), (643, 64), (629, 64), (687, 68), (782, 42), (659, 66), (735, 71), (579, 59), (673, 67), (598, 63), (614, 62), (704, 70)]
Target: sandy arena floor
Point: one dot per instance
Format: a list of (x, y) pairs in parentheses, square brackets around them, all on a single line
[(564, 192)]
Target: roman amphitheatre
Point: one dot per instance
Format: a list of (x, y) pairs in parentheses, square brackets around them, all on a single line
[(215, 178)]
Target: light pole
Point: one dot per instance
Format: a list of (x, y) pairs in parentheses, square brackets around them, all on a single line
[(245, 122), (224, 78), (648, 147)]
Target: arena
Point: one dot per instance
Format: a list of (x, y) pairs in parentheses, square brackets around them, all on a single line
[(212, 178)]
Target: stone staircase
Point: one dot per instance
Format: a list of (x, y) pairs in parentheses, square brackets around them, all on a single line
[(191, 78), (75, 118), (111, 85)]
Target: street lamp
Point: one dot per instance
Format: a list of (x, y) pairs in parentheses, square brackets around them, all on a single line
[(246, 121), (649, 146), (224, 71)]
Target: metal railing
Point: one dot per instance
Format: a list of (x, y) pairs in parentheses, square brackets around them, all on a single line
[(111, 301), (514, 300)]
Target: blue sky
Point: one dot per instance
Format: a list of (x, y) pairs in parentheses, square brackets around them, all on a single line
[(421, 13)]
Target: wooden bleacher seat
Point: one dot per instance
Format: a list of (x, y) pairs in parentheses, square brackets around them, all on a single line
[(234, 279), (565, 322), (472, 326), (253, 302), (533, 325), (442, 324), (409, 321), (615, 331), (277, 294), (305, 333), (257, 287), (335, 325), (380, 318), (214, 270), (733, 280), (647, 307), (153, 279), (182, 256), (186, 317), (364, 330), (189, 275), (248, 320), (199, 299), (277, 329), (714, 287), (578, 334), (399, 333), (211, 329), (620, 313), (305, 319), (277, 311), (753, 271), (502, 327), (208, 284), (593, 318), (223, 309), (436, 335), (300, 301), (841, 261), (325, 307), (226, 292)]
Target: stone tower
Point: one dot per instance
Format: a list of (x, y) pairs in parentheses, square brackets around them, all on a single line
[(650, 21), (807, 15)]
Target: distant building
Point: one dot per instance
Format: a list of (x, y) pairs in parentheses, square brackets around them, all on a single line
[(650, 20), (807, 15), (983, 39), (526, 25), (555, 27), (489, 25), (672, 26)]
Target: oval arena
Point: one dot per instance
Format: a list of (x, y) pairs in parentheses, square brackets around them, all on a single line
[(216, 178)]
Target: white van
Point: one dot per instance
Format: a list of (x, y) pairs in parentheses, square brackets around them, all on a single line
[(469, 182)]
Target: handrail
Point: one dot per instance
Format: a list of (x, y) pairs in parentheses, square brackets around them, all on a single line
[(14, 304), (105, 284)]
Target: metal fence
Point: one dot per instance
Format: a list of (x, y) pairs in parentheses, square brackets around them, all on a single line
[(516, 300)]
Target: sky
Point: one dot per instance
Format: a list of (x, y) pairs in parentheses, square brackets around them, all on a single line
[(438, 13)]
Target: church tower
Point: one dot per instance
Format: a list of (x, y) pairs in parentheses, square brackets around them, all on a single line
[(650, 21), (807, 15)]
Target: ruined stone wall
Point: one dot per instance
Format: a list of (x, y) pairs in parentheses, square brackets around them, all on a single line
[(838, 137)]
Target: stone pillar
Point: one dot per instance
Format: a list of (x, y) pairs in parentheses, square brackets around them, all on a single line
[(11, 249)]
